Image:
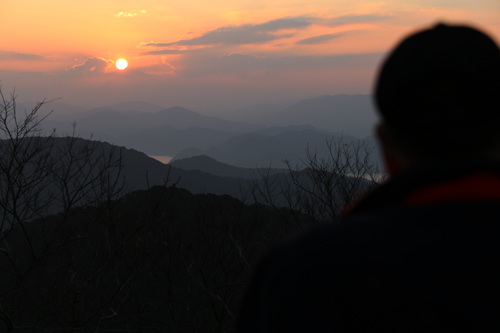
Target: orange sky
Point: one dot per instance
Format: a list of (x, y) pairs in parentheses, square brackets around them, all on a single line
[(216, 55)]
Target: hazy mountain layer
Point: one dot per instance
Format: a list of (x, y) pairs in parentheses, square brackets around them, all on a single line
[(136, 107), (252, 150), (214, 167), (168, 140), (184, 133), (109, 123), (350, 114)]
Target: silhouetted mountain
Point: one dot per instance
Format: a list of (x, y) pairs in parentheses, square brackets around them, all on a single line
[(81, 158), (350, 114), (214, 167), (141, 170), (186, 153), (165, 259)]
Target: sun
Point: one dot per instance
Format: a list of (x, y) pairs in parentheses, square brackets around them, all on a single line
[(121, 64)]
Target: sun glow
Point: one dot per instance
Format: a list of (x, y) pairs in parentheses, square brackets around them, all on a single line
[(121, 64)]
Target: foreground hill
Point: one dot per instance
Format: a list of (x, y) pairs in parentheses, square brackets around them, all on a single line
[(157, 260), (141, 171), (62, 164)]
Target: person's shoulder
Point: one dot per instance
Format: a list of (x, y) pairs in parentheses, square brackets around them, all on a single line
[(347, 232), (359, 261), (387, 230), (335, 243)]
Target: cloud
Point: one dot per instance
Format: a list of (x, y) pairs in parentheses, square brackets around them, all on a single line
[(236, 63), (122, 14), (318, 39), (347, 19), (243, 34), (160, 52), (160, 68), (91, 66), (128, 14), (20, 56), (265, 32)]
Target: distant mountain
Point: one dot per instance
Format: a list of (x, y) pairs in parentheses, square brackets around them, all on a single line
[(214, 167), (186, 153), (110, 124), (252, 150), (57, 107), (67, 113), (168, 140), (275, 130), (257, 113), (136, 107), (183, 118), (106, 121), (350, 114), (185, 133)]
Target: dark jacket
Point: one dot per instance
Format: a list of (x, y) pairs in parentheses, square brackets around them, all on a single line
[(420, 253)]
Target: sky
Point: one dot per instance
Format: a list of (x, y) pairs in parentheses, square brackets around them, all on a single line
[(210, 56)]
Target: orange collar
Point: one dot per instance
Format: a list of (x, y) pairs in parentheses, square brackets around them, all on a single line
[(476, 187)]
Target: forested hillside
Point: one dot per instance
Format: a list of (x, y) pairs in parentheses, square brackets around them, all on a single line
[(162, 260)]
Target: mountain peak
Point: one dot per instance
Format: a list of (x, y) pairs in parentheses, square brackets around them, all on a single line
[(178, 110), (138, 106)]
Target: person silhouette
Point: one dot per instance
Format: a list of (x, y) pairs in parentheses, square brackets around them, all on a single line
[(420, 252)]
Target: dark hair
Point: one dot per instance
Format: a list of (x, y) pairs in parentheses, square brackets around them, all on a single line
[(439, 93)]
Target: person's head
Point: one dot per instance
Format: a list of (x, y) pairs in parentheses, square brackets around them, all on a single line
[(438, 94)]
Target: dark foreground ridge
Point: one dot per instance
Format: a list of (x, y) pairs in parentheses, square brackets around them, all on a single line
[(161, 259)]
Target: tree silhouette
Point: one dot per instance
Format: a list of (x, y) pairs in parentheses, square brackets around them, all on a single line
[(42, 174), (320, 187)]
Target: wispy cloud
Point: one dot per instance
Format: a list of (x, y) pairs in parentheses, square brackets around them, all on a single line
[(160, 68), (262, 33), (128, 14), (349, 19), (243, 34), (91, 66), (236, 63), (164, 52), (20, 56), (319, 39)]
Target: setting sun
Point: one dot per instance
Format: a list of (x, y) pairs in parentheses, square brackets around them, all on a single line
[(121, 64)]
